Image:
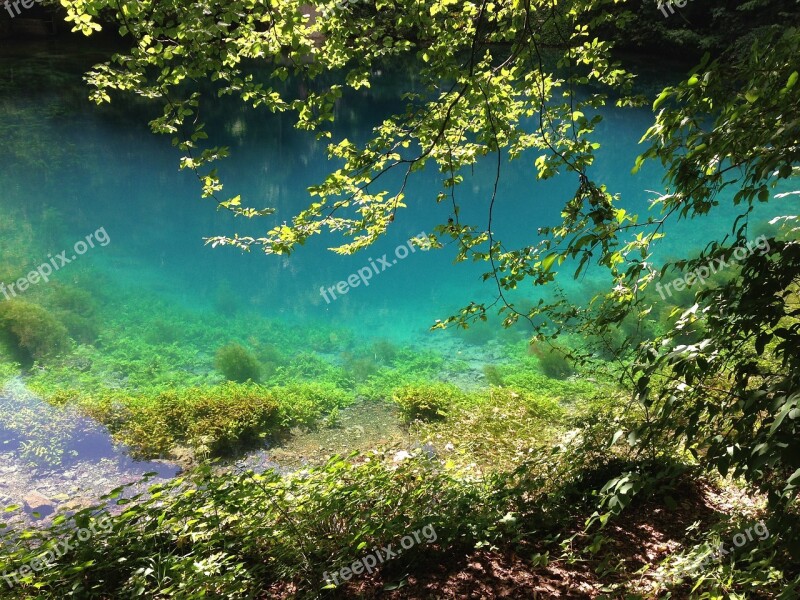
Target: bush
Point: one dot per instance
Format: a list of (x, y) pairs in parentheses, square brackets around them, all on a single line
[(31, 330), (237, 363), (212, 532), (425, 401)]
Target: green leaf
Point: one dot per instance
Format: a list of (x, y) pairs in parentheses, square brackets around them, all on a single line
[(548, 260)]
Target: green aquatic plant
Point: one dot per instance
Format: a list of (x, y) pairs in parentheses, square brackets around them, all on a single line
[(47, 454), (477, 334), (31, 331), (306, 403), (328, 340), (76, 308), (8, 371), (359, 368), (209, 420), (216, 420), (237, 363), (384, 351), (553, 359), (306, 366), (495, 428), (269, 358), (266, 353), (493, 375), (82, 329), (425, 401), (525, 377), (410, 366), (71, 299), (226, 301), (162, 331)]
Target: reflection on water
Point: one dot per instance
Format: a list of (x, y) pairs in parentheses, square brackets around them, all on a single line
[(50, 454)]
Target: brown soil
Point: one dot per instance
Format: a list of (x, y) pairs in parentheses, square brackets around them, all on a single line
[(643, 536)]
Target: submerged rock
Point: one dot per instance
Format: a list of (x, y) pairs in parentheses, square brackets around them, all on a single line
[(38, 502), (428, 449), (400, 456)]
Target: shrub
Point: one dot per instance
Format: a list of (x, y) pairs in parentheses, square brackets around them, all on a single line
[(237, 363), (425, 401), (213, 531), (31, 330)]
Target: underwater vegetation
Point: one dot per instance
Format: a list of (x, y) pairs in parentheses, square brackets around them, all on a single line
[(305, 404), (360, 367), (30, 331), (213, 421), (226, 302), (384, 351), (76, 308), (496, 428), (425, 401), (493, 375), (553, 360), (141, 367), (409, 367), (210, 421), (524, 376), (478, 333), (237, 363), (269, 358)]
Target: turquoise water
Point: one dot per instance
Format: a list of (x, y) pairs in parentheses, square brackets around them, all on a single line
[(71, 169), (147, 304)]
